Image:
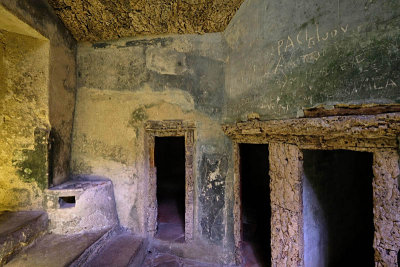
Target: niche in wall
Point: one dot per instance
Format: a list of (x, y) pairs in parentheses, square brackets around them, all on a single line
[(338, 208)]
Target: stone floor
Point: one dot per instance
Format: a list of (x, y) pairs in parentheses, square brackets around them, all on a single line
[(156, 259), (251, 257), (170, 222), (19, 229), (120, 250), (54, 250)]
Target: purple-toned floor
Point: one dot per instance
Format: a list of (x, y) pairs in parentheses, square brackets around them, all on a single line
[(250, 255), (171, 228), (171, 224), (156, 259)]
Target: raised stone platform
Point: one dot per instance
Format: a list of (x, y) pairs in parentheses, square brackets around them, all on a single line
[(80, 206), (18, 229)]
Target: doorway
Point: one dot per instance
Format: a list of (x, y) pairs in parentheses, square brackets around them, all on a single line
[(338, 208), (169, 155), (255, 204)]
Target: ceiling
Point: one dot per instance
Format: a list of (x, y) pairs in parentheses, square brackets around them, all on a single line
[(96, 20)]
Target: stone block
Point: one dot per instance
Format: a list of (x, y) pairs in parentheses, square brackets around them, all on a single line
[(18, 229), (80, 206)]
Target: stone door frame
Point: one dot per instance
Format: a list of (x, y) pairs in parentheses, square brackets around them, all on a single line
[(377, 134), (170, 128)]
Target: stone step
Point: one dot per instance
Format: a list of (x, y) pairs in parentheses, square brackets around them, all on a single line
[(19, 229), (121, 250), (54, 250)]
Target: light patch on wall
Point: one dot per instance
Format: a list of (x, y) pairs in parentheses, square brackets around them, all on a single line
[(11, 23)]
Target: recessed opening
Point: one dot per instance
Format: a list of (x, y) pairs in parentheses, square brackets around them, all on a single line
[(169, 154), (338, 208), (398, 258), (66, 202), (256, 207)]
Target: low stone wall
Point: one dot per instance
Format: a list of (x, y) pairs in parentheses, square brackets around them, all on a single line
[(93, 208)]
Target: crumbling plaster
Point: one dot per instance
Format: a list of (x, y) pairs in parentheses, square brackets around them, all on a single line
[(371, 133)]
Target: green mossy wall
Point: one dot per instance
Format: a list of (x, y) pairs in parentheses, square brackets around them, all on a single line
[(24, 121), (303, 54)]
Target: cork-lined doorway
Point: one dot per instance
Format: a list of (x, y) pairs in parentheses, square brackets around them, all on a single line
[(255, 206), (338, 208), (288, 142), (160, 137)]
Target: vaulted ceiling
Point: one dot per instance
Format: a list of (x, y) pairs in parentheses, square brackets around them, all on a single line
[(95, 20)]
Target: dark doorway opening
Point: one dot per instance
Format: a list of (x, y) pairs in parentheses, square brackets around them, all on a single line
[(338, 208), (256, 206), (169, 154)]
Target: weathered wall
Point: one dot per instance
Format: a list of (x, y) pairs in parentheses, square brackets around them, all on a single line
[(62, 78), (286, 55), (386, 171), (37, 89), (24, 120), (121, 85)]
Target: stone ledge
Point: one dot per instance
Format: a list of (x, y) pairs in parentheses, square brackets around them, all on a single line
[(19, 229), (361, 132)]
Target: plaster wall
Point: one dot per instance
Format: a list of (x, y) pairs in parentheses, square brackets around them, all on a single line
[(284, 56), (275, 58), (39, 19), (24, 120), (124, 83)]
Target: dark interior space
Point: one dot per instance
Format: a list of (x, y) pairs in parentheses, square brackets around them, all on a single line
[(169, 154), (341, 209), (66, 202), (256, 208)]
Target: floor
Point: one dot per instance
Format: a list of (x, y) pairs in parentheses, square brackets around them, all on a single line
[(156, 259), (254, 250), (55, 250), (58, 250), (250, 256), (171, 222)]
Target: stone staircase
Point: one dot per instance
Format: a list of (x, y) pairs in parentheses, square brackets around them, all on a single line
[(118, 248), (19, 229), (80, 228)]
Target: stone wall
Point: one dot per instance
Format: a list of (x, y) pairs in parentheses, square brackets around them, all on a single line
[(122, 85), (37, 89), (286, 56), (24, 120), (327, 53)]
